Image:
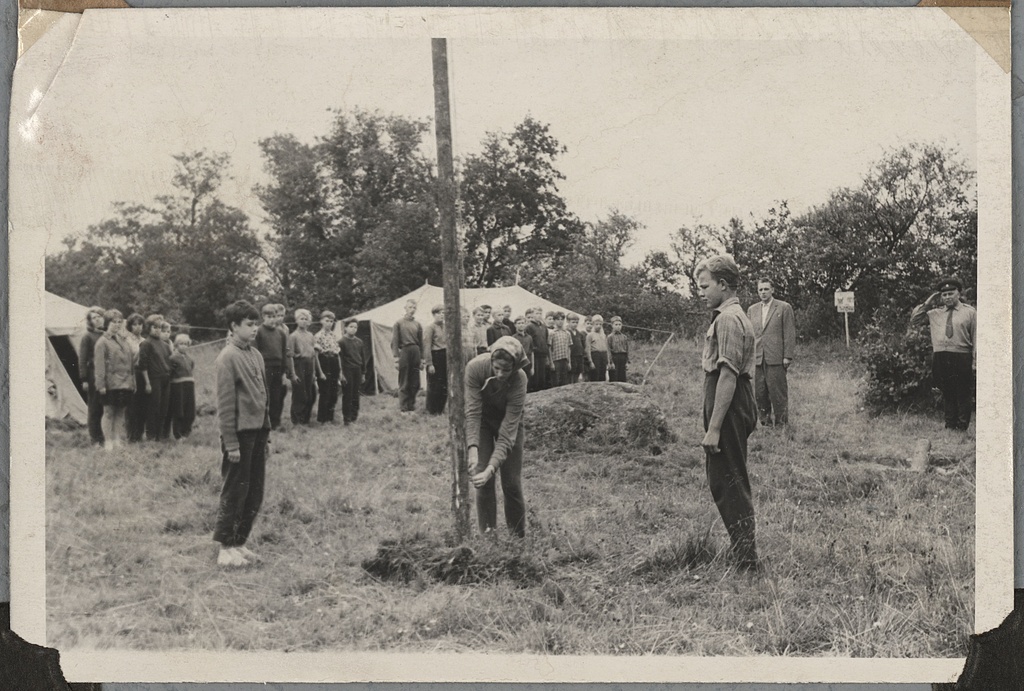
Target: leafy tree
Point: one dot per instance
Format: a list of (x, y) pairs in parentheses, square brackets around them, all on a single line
[(183, 255), (347, 210), (510, 206), (913, 218), (692, 245)]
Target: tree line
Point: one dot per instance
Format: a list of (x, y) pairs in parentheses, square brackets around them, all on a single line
[(352, 224)]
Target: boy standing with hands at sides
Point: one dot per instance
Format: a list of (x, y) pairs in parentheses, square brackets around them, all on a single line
[(539, 332), (353, 366), (407, 347), (307, 368), (618, 350), (94, 320), (243, 416), (572, 325), (272, 344), (526, 340), (561, 344), (435, 354), (183, 388), (596, 347), (155, 368), (328, 352), (730, 413)]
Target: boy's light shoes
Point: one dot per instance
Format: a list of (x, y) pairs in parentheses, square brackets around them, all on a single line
[(247, 553), (230, 557)]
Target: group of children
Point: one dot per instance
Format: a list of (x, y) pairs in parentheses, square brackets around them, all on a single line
[(137, 378), (559, 352)]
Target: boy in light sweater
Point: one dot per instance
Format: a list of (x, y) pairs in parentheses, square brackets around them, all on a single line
[(243, 416)]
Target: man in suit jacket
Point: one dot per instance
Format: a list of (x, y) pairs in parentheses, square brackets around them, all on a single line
[(776, 344)]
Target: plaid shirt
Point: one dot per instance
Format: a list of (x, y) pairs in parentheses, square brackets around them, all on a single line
[(561, 342)]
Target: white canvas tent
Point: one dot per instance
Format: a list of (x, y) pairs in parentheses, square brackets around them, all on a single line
[(376, 324), (65, 326)]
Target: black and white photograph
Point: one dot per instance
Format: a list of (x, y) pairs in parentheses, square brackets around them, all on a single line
[(723, 395)]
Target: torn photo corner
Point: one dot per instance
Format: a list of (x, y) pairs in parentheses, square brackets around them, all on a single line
[(171, 162)]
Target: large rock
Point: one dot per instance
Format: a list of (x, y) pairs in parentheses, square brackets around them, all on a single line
[(599, 413)]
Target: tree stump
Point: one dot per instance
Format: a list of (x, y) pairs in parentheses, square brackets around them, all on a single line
[(919, 459), (598, 413)]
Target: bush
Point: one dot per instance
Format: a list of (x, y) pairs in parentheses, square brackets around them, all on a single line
[(899, 373)]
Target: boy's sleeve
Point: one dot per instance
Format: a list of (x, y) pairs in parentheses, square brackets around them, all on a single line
[(99, 363), (85, 357), (144, 356), (474, 405), (394, 339), (729, 332), (514, 404), (227, 407)]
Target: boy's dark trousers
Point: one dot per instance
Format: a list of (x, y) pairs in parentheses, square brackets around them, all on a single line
[(511, 484), (242, 493), (437, 383), (182, 408), (94, 403), (540, 372), (954, 377), (159, 403), (600, 360), (561, 372), (619, 360), (303, 390), (575, 368), (275, 389), (328, 388), (136, 427), (408, 377), (727, 469), (350, 393)]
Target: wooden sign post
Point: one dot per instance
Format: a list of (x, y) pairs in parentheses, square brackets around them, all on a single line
[(845, 304)]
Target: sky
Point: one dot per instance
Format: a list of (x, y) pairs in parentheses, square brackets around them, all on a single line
[(693, 122)]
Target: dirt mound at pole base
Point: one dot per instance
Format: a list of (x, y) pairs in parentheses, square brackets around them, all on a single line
[(599, 413), (418, 557)]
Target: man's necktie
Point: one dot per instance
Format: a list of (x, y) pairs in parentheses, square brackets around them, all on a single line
[(949, 322)]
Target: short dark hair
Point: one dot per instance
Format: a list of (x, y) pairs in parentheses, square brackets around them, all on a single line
[(559, 315), (765, 279), (151, 321), (238, 311), (350, 320), (133, 319)]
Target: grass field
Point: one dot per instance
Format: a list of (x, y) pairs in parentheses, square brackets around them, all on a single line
[(623, 554)]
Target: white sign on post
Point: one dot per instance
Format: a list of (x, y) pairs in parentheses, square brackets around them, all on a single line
[(844, 304), (844, 301)]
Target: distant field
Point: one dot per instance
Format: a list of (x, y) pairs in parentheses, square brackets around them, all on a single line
[(623, 554)]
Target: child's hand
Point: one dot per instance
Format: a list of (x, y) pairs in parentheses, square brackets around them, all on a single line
[(149, 388), (234, 456), (481, 479), (323, 377), (430, 369), (101, 392), (611, 366)]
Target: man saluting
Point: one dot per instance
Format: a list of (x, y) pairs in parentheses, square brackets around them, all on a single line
[(954, 354)]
